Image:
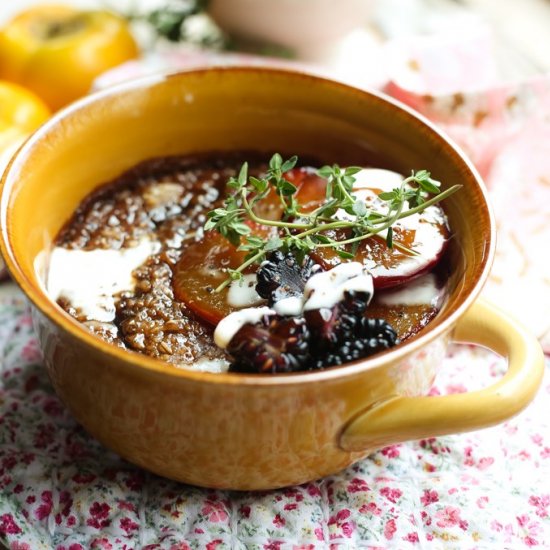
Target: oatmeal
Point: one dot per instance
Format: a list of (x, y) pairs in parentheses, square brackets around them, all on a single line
[(136, 267)]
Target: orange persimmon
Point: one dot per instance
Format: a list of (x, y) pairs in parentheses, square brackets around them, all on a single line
[(57, 51), (21, 112)]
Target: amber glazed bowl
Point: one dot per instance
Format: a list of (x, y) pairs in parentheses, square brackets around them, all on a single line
[(256, 431)]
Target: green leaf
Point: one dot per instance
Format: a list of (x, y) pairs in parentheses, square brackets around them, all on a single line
[(243, 174), (210, 224), (352, 170), (260, 185), (431, 186), (387, 195), (289, 164), (286, 188), (217, 213), (276, 162), (233, 183), (254, 241), (348, 181), (232, 236), (241, 228), (325, 172), (421, 174), (389, 237), (328, 190), (292, 207), (328, 209), (323, 239), (344, 255), (359, 208), (273, 244)]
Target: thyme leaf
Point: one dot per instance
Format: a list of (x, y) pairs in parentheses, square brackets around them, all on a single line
[(302, 232)]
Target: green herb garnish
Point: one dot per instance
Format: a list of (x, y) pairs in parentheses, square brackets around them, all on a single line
[(302, 232)]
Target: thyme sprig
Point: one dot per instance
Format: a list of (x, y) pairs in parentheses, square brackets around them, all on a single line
[(302, 232)]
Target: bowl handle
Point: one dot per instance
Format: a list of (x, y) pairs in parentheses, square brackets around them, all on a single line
[(403, 418)]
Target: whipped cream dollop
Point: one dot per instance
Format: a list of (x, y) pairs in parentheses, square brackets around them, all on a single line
[(90, 279)]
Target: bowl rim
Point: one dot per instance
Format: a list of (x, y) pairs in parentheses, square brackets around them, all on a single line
[(156, 367)]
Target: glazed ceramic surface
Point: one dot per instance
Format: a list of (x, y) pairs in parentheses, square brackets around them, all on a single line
[(255, 431)]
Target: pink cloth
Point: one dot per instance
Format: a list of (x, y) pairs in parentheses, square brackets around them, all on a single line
[(505, 130)]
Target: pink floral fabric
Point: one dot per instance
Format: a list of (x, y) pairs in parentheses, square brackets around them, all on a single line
[(60, 489)]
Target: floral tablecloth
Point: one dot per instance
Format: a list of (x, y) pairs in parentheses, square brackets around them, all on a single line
[(61, 489)]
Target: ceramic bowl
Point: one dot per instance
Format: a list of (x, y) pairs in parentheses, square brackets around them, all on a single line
[(310, 28), (256, 431)]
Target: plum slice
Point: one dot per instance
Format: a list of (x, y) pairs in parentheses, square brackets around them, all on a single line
[(202, 267), (426, 239), (425, 235)]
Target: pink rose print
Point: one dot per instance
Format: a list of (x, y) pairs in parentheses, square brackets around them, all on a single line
[(319, 534), (127, 525), (66, 500), (53, 407), (278, 521), (180, 546), (393, 495), (273, 545), (84, 478), (429, 497), (391, 451), (214, 511), (313, 490), (244, 511), (123, 505), (370, 508), (8, 525), (456, 388), (214, 544), (101, 544), (412, 537), (389, 529), (482, 502), (31, 352), (530, 530), (357, 484), (346, 527), (100, 515), (485, 462), (19, 546), (449, 517), (541, 504)]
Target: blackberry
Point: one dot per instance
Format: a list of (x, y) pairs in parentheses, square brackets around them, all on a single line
[(282, 276), (322, 338), (276, 344), (344, 334), (356, 339)]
